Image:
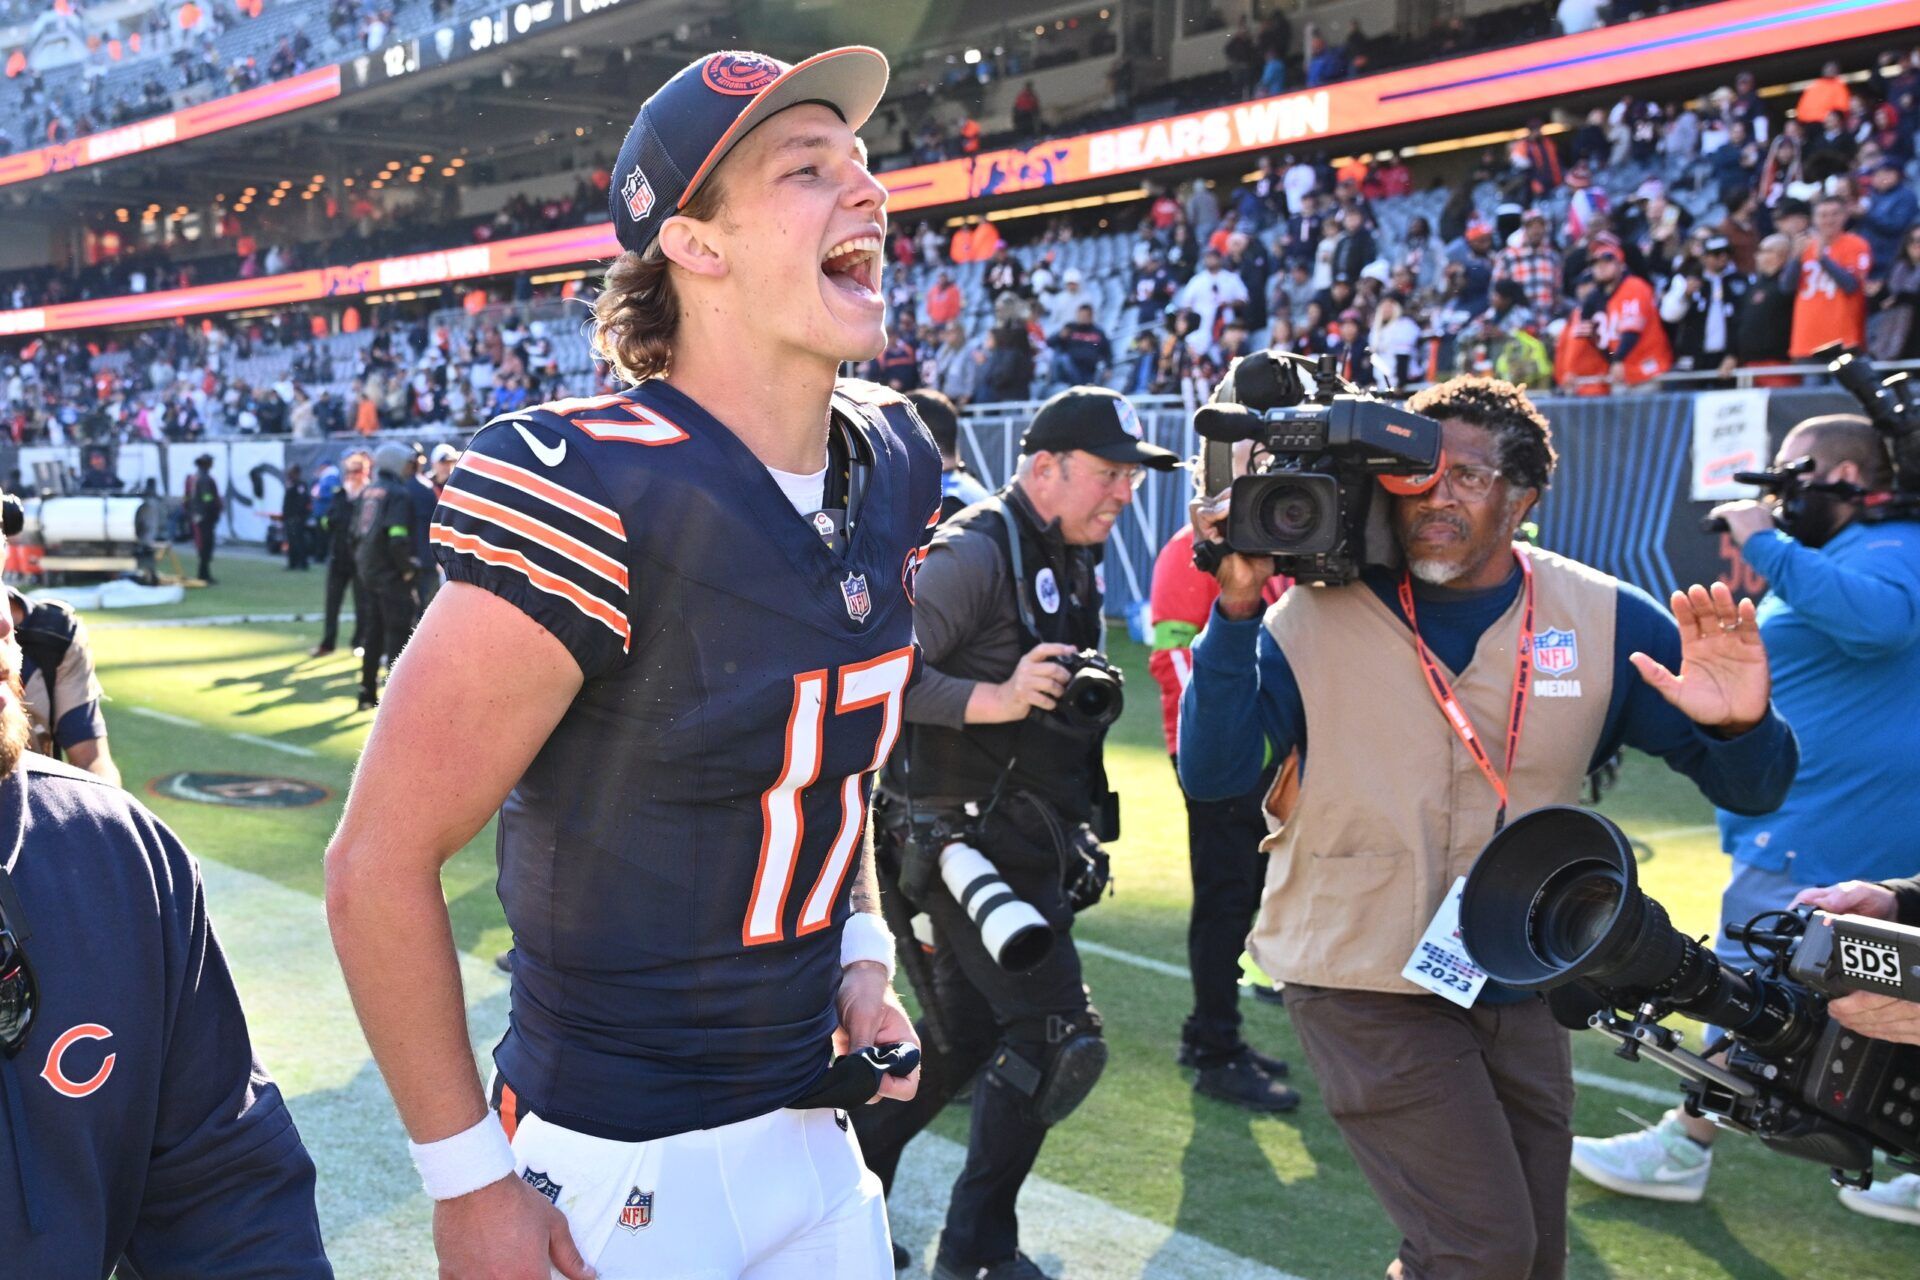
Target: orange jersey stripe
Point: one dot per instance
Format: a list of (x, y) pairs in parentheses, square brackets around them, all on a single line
[(533, 530), (505, 558), (540, 487)]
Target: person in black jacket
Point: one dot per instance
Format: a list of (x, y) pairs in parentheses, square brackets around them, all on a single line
[(1763, 316), (384, 541), (139, 1128), (296, 510), (203, 512), (336, 525)]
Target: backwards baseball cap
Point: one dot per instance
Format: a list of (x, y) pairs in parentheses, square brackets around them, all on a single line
[(692, 121), (1098, 421), (1607, 248)]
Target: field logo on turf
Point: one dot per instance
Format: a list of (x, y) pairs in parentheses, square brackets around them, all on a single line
[(239, 790)]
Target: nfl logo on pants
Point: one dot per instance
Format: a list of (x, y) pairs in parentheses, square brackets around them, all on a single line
[(637, 1212)]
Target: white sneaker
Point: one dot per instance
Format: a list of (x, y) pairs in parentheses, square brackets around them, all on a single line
[(1895, 1199), (1659, 1163)]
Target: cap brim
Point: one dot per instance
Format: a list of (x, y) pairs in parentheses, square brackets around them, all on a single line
[(850, 80), (1147, 455)]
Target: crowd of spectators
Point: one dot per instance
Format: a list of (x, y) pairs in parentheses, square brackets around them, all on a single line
[(345, 227), (1808, 232), (284, 376), (173, 55)]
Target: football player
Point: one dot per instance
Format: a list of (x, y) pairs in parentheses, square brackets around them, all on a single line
[(670, 653)]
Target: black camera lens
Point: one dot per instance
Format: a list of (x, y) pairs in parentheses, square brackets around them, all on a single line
[(1291, 513), (1571, 913), (1093, 699)]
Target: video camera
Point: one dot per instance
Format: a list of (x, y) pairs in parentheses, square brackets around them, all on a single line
[(1554, 904), (1892, 405), (1307, 498)]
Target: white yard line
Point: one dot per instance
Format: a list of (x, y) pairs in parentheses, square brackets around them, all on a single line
[(218, 620), (287, 747), (163, 716)]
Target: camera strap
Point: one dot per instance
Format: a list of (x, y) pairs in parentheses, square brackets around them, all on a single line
[(1449, 703)]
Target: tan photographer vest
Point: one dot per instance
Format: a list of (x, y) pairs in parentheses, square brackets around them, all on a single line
[(1392, 806)]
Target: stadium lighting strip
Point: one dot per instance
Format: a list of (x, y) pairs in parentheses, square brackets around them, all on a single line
[(1727, 34), (278, 98)]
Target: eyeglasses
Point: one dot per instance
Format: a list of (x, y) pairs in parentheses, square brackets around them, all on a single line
[(1109, 475), (1469, 483), (19, 994)]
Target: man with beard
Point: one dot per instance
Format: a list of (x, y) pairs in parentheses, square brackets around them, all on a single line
[(140, 1129), (1381, 685)]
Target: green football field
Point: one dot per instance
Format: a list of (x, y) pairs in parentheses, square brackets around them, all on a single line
[(1144, 1180)]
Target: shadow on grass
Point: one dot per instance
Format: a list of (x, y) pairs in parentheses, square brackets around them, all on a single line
[(1700, 1225)]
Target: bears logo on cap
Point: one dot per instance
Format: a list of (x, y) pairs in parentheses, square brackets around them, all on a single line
[(638, 193), (739, 73)]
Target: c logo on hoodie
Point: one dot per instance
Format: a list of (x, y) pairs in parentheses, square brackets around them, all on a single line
[(56, 1077)]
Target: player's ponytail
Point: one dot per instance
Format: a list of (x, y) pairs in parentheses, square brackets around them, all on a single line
[(635, 316), (637, 312)]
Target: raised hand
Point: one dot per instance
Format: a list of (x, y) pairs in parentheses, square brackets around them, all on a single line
[(1723, 682)]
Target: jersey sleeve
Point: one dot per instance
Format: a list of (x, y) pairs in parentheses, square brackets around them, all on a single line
[(77, 694), (229, 1191), (525, 517)]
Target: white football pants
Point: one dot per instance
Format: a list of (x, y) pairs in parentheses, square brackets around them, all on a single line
[(784, 1196)]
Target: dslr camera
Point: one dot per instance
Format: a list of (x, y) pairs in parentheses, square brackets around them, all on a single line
[(1553, 904), (1892, 405), (1095, 694), (1308, 496)]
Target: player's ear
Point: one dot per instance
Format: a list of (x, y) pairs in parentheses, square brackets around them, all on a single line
[(690, 245)]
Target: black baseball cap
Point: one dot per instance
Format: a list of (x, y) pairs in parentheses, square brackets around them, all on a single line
[(1098, 421), (693, 120)]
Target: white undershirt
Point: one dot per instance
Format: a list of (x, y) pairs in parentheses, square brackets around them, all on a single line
[(807, 493)]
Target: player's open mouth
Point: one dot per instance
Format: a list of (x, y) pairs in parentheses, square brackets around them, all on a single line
[(854, 267)]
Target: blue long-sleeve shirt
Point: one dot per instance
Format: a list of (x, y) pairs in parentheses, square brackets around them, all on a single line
[(1842, 629), (135, 1121), (1243, 689)]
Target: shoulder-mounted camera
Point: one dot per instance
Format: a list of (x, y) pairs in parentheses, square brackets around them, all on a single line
[(1317, 445)]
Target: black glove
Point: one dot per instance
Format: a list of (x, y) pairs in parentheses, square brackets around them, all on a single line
[(852, 1081)]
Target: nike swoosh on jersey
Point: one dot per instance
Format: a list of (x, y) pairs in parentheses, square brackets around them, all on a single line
[(550, 455)]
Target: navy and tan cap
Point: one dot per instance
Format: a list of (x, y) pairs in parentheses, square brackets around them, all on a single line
[(693, 120)]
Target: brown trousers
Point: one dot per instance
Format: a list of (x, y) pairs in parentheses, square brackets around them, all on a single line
[(1461, 1119)]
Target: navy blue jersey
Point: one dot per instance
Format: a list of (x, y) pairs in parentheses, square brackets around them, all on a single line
[(675, 863), (136, 1121)]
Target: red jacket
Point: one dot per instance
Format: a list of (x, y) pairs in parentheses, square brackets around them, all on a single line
[(1181, 600)]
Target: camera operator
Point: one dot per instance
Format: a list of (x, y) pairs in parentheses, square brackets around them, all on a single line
[(1895, 1199), (1009, 588), (1841, 624), (1458, 1110)]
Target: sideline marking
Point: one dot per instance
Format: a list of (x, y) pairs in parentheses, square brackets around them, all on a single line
[(287, 747), (1584, 1078), (165, 717), (255, 739), (218, 620)]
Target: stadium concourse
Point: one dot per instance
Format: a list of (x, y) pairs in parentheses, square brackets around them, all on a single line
[(1409, 250)]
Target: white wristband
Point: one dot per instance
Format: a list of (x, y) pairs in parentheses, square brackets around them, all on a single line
[(475, 1158), (865, 937)]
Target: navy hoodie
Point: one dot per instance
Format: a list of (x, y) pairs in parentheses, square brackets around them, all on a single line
[(136, 1123)]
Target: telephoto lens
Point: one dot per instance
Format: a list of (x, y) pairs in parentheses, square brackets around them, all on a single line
[(1016, 936)]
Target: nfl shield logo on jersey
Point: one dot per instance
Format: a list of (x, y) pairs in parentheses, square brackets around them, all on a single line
[(1555, 652), (859, 603), (637, 1212)]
